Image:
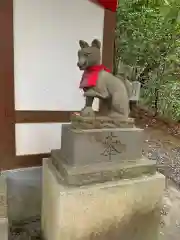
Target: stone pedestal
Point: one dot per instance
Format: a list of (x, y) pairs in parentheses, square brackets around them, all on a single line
[(3, 209), (88, 146), (98, 186), (98, 155), (101, 172), (124, 209)]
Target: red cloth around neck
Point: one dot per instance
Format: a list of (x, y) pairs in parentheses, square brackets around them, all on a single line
[(90, 76)]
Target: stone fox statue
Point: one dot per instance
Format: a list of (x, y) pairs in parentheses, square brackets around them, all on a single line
[(97, 81)]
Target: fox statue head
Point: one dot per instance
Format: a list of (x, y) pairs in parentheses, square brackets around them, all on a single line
[(89, 55)]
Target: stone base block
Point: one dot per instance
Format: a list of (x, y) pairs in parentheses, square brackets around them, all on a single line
[(4, 229), (101, 172), (125, 209), (82, 147)]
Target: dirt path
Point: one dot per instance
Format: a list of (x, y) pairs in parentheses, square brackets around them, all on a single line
[(165, 149)]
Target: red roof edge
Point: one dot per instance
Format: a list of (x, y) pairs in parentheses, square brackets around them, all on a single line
[(107, 4)]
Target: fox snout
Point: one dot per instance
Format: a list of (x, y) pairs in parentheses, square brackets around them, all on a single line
[(82, 64)]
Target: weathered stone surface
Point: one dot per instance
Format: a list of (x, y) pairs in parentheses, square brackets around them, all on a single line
[(3, 197), (102, 172), (126, 209), (3, 209), (4, 229), (24, 193), (84, 147), (100, 122)]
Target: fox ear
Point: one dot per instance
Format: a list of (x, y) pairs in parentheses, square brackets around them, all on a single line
[(96, 43), (83, 44)]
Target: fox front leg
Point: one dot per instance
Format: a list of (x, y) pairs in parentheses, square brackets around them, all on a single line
[(87, 111), (89, 101)]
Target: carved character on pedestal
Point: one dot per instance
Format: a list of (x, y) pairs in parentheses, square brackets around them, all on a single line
[(98, 82)]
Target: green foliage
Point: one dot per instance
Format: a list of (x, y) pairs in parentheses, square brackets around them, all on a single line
[(169, 100), (148, 39)]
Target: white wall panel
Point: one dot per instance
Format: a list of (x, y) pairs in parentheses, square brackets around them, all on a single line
[(35, 138), (46, 35)]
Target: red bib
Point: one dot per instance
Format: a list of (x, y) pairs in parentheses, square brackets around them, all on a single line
[(90, 76)]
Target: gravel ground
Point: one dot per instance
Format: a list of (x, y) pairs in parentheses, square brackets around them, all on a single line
[(159, 146), (170, 223), (165, 149)]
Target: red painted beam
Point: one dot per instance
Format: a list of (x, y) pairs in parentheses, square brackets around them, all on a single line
[(107, 4)]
